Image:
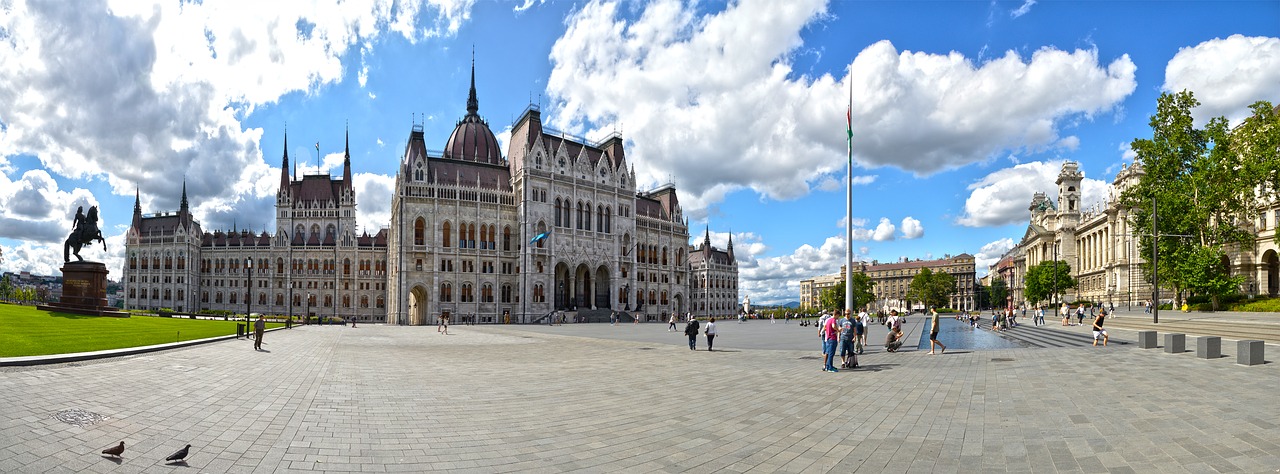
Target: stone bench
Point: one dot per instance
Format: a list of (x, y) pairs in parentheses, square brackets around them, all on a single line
[(1249, 352), (1146, 339), (1175, 343), (1209, 347)]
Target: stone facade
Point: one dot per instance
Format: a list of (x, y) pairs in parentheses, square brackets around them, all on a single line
[(1102, 249), (714, 278)]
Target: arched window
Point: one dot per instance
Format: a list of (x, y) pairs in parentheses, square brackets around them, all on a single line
[(346, 301), (467, 296), (653, 297), (419, 231), (608, 220), (586, 216), (279, 299), (558, 215), (565, 210), (579, 221), (664, 256), (506, 293), (484, 236), (471, 236), (446, 292), (486, 293), (506, 238), (664, 297), (346, 266), (493, 237), (444, 235), (600, 218)]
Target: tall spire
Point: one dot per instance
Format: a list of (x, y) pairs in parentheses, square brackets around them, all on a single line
[(182, 208), (137, 209), (346, 160), (730, 249), (473, 105), (284, 165)]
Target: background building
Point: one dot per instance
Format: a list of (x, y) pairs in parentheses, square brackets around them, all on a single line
[(714, 277), (811, 289), (891, 281)]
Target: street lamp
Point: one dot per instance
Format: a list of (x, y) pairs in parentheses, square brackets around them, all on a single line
[(248, 291)]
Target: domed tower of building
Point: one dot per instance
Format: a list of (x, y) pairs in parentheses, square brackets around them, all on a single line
[(556, 228)]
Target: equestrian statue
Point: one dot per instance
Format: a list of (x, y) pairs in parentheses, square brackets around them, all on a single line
[(85, 231)]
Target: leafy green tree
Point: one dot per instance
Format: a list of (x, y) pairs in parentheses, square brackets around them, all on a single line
[(999, 292), (1203, 184), (6, 288), (833, 298), (1047, 281), (931, 288)]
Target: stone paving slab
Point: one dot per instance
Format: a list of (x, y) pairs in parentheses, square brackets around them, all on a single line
[(524, 399)]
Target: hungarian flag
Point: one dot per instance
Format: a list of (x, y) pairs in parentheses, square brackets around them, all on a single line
[(540, 237), (848, 116), (318, 143)]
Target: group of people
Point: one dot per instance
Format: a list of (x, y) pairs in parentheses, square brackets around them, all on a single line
[(845, 334)]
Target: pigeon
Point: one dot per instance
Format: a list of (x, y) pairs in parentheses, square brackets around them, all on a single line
[(115, 451), (180, 455)]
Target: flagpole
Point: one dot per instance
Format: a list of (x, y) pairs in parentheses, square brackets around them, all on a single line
[(848, 217)]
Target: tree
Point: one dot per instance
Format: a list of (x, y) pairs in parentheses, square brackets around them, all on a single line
[(1203, 184), (999, 292), (833, 298), (6, 287), (931, 288), (1047, 280)]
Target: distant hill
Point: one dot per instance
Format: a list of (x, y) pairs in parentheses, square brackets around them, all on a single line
[(791, 305)]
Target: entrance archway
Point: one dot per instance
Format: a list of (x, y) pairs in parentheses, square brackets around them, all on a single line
[(1271, 268), (677, 303), (418, 306), (562, 287), (602, 288), (582, 288)]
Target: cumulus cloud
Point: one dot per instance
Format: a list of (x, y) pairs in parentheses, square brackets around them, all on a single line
[(911, 228), (720, 87), (1227, 75), (991, 253), (152, 94), (884, 231), (1002, 197), (374, 193), (32, 208)]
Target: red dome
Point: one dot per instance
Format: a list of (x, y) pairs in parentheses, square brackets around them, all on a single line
[(473, 141)]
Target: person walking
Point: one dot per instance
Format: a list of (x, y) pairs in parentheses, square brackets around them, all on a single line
[(443, 326), (933, 332), (691, 330), (671, 323), (1098, 330), (849, 341), (711, 333), (864, 322), (259, 327)]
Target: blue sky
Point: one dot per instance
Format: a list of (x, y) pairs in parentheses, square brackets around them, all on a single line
[(961, 110)]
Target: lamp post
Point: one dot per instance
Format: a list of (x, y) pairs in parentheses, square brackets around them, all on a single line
[(248, 291)]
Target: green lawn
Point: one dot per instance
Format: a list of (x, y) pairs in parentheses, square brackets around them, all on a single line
[(26, 331)]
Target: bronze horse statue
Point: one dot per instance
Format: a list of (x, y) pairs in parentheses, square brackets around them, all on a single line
[(84, 233)]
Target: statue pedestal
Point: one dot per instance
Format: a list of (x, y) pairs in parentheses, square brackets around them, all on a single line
[(84, 291)]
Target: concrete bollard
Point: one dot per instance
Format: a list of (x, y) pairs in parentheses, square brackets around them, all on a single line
[(1208, 347), (1146, 339), (1249, 352), (1175, 343)]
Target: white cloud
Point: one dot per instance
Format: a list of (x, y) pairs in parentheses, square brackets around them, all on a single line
[(1227, 75), (1002, 197), (720, 87), (991, 253), (526, 5), (374, 193), (162, 101), (911, 228), (864, 180), (1022, 10), (884, 231), (34, 209)]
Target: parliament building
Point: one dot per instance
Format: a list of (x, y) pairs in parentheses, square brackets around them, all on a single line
[(557, 227)]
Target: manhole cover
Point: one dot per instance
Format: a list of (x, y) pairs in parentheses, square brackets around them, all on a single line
[(1001, 359), (78, 417)]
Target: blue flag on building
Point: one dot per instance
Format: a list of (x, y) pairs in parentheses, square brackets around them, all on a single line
[(540, 237)]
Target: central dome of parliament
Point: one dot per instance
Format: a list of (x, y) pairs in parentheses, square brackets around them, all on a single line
[(471, 139)]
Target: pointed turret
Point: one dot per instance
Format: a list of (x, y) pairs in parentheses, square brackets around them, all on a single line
[(730, 248), (182, 207), (284, 164), (346, 161), (137, 209), (706, 240)]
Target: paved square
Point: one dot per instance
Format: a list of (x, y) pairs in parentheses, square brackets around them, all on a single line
[(634, 398)]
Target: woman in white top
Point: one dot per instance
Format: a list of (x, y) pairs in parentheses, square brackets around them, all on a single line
[(711, 333)]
